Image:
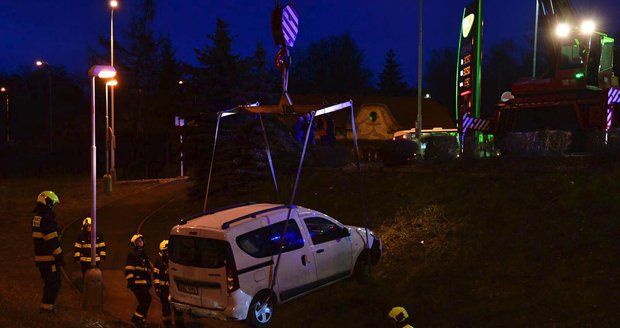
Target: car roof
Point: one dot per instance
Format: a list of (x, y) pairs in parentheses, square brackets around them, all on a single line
[(220, 219)]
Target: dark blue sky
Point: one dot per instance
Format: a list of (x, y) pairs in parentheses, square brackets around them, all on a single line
[(60, 31)]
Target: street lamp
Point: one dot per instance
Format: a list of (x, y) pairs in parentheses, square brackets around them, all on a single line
[(8, 117), (92, 279), (45, 65), (562, 30), (108, 85), (113, 5), (588, 27)]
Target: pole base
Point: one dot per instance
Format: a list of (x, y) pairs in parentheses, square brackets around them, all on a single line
[(93, 290), (107, 184)]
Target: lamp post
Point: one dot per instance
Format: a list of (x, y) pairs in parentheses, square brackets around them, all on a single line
[(8, 117), (113, 5), (418, 130), (536, 24), (45, 65), (108, 86), (93, 286)]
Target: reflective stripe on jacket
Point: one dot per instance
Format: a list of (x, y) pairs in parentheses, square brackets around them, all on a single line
[(45, 236), (81, 248), (138, 270)]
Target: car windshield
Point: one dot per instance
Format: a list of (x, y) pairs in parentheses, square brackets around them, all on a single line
[(198, 252)]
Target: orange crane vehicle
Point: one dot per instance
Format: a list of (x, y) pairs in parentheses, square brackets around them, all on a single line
[(578, 93)]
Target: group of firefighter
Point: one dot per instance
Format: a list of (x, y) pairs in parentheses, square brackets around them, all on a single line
[(140, 273)]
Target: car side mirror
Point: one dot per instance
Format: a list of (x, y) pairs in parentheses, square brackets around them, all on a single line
[(344, 232)]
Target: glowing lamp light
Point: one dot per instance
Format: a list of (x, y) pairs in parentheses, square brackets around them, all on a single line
[(562, 30), (39, 63), (102, 72), (427, 96), (113, 4), (112, 83), (579, 75), (3, 89), (588, 27), (181, 82)]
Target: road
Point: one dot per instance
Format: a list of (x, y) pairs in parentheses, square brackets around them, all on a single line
[(154, 210)]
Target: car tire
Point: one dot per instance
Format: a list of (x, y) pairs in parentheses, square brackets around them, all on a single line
[(362, 269), (262, 309)]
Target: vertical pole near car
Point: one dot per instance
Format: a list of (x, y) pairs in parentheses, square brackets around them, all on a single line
[(217, 130), (418, 129), (93, 179), (534, 60)]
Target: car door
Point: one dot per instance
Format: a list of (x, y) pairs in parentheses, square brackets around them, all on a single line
[(331, 247), (296, 271)]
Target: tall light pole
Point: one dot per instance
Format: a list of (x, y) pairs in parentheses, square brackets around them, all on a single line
[(113, 5), (108, 85), (45, 65), (418, 130), (535, 59), (8, 115), (93, 287)]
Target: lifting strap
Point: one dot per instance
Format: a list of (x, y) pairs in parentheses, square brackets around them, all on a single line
[(323, 111), (267, 150)]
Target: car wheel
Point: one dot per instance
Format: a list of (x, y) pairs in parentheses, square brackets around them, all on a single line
[(262, 309), (362, 268)]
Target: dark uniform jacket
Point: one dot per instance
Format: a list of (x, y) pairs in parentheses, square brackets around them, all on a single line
[(138, 270), (46, 238), (81, 248), (160, 277)]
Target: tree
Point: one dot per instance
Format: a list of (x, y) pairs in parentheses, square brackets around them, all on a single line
[(332, 65), (260, 80), (440, 77), (391, 81), (218, 75)]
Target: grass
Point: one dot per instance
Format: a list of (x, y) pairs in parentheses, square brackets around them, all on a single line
[(21, 288), (490, 243)]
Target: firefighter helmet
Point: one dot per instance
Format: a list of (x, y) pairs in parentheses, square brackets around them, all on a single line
[(87, 221), (48, 198), (398, 314), (133, 239), (163, 247)]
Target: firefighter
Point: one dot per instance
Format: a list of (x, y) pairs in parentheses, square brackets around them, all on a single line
[(399, 317), (48, 255), (161, 282), (81, 248), (138, 274)]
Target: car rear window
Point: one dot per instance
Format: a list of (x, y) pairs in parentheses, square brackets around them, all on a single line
[(198, 252), (265, 241)]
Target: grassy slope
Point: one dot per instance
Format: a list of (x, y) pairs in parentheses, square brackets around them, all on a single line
[(21, 287), (505, 243)]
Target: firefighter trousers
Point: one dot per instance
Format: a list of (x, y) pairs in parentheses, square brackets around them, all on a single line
[(144, 302), (50, 273), (167, 311)]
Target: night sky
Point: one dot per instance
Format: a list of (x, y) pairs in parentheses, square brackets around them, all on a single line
[(60, 31)]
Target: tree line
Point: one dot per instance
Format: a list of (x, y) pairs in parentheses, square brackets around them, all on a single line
[(150, 95)]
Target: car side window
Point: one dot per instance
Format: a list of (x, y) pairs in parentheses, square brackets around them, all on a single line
[(265, 241), (322, 230)]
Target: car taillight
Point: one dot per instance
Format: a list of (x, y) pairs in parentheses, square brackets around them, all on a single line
[(232, 280)]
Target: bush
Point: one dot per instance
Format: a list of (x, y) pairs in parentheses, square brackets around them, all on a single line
[(398, 152), (440, 148)]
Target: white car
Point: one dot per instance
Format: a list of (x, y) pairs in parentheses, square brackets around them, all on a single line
[(222, 262)]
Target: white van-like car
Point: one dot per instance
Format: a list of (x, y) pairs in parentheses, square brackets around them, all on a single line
[(222, 261)]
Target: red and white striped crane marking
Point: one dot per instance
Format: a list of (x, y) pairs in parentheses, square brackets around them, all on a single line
[(290, 25)]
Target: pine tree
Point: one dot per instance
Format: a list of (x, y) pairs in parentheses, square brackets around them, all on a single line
[(262, 80), (218, 77), (391, 81)]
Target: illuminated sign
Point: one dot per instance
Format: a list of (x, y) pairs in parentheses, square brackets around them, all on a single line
[(468, 23)]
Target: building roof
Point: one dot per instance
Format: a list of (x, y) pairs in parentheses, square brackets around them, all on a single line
[(404, 109)]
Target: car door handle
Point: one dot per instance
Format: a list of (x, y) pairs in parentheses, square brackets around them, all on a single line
[(320, 251), (304, 260)]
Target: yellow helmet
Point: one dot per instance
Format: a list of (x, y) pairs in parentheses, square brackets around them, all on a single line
[(87, 221), (163, 246), (398, 314), (48, 198), (133, 239)]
